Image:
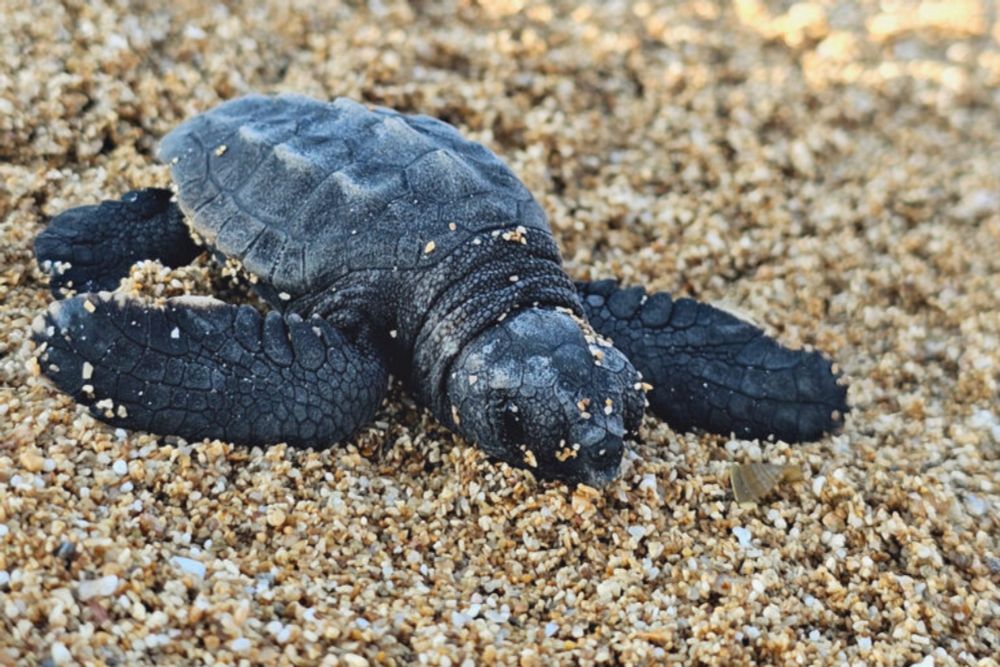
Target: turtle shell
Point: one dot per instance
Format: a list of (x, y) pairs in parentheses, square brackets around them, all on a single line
[(304, 192)]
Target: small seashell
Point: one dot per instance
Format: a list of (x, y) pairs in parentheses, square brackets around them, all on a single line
[(753, 481)]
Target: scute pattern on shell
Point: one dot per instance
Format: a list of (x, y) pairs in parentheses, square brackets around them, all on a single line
[(303, 192)]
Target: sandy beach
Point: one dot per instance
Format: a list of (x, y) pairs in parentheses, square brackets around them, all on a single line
[(829, 170)]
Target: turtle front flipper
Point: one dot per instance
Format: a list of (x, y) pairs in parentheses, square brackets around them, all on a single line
[(91, 248), (199, 368), (713, 371)]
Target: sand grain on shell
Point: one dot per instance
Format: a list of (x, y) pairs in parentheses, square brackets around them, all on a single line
[(829, 169)]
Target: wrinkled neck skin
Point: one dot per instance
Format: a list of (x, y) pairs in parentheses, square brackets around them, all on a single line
[(476, 288), (540, 391)]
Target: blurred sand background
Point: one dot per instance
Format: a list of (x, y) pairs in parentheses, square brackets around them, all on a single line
[(830, 169)]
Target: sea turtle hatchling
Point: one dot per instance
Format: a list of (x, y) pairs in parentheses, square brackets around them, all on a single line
[(387, 243)]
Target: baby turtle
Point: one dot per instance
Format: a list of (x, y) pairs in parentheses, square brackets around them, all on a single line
[(387, 243)]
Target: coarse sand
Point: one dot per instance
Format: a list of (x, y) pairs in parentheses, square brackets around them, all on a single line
[(829, 169)]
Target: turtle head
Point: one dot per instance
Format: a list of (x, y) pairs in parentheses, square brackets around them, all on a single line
[(538, 392)]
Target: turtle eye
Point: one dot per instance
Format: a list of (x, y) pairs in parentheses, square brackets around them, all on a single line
[(512, 428)]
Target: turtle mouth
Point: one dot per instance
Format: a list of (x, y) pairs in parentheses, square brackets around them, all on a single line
[(597, 469), (602, 451), (601, 477)]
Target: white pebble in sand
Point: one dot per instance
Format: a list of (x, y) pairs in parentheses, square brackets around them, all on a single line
[(61, 654), (976, 505), (102, 587), (120, 468), (743, 535), (189, 566), (240, 644)]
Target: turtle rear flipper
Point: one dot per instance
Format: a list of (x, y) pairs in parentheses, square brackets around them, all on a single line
[(199, 368), (91, 248), (713, 371)]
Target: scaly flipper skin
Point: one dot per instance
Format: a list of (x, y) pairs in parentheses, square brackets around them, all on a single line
[(200, 368), (713, 371), (91, 248)]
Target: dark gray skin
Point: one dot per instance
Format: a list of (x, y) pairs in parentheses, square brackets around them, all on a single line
[(386, 243)]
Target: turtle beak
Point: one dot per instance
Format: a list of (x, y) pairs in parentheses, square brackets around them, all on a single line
[(601, 478), (601, 448)]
